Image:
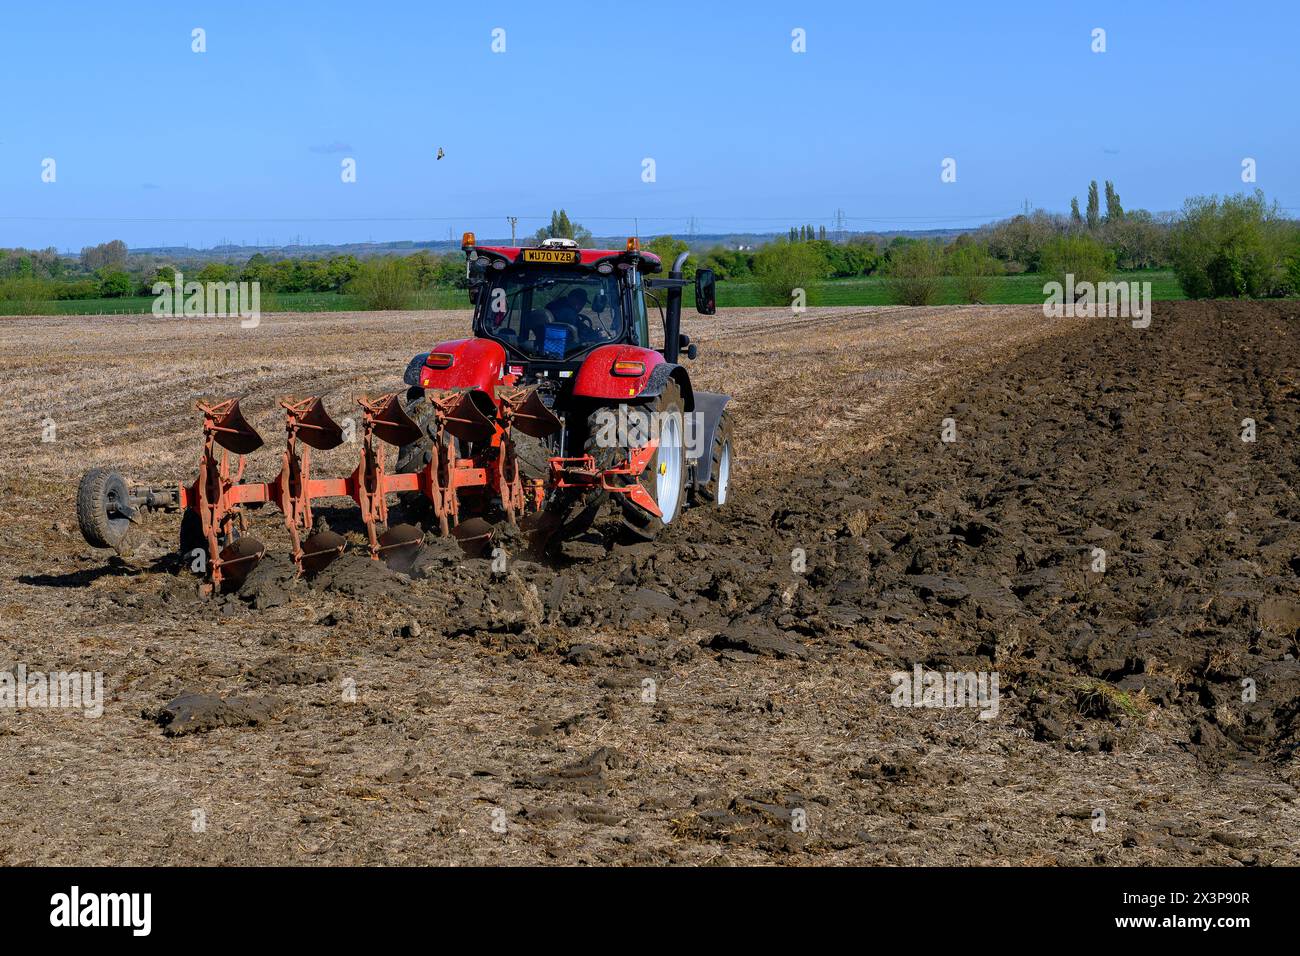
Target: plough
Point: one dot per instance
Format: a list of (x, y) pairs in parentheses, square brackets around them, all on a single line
[(216, 505)]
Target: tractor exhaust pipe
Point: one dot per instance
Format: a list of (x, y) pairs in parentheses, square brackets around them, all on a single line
[(673, 314)]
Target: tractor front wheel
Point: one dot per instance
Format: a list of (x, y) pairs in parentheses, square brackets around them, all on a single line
[(715, 490)]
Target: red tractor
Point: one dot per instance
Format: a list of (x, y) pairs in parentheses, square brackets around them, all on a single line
[(558, 411)]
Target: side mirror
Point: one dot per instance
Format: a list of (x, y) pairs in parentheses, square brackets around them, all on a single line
[(476, 274), (706, 292)]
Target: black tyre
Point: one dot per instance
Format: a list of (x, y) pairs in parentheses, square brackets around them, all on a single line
[(533, 455), (716, 490), (418, 453), (98, 494)]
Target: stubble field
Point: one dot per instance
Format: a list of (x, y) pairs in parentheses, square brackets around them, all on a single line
[(698, 701)]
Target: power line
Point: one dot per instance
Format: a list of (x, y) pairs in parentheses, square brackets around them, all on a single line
[(546, 218), (839, 219)]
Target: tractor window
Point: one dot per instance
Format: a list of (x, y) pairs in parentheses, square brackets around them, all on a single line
[(552, 314), (639, 316), (654, 306)]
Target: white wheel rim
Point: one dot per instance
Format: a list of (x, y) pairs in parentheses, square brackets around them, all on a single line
[(669, 483), (724, 473)]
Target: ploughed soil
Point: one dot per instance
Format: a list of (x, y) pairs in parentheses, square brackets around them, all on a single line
[(1098, 536)]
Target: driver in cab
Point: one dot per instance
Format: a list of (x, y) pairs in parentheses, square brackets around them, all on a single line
[(566, 309), (566, 312)]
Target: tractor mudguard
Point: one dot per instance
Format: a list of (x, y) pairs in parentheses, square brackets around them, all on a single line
[(708, 412), (597, 379), (412, 374), (659, 378), (474, 363)]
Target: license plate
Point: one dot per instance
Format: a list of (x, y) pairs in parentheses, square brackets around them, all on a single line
[(553, 256)]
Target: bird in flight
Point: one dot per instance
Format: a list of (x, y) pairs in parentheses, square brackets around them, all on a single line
[(441, 153)]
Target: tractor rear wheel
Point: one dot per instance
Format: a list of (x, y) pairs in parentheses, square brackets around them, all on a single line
[(665, 476)]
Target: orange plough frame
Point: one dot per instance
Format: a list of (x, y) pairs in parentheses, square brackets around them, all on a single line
[(470, 419)]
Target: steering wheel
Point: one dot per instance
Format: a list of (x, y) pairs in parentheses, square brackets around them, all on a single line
[(585, 322)]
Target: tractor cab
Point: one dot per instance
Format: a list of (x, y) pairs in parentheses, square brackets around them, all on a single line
[(552, 305)]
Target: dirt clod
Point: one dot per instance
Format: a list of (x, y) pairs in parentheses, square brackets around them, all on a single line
[(193, 713)]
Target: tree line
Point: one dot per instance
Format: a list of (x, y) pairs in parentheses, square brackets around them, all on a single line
[(1232, 246), (35, 276)]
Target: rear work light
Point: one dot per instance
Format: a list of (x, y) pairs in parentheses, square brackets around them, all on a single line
[(440, 360), (629, 369)]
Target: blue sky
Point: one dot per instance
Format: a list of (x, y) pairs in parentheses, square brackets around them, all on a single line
[(157, 144)]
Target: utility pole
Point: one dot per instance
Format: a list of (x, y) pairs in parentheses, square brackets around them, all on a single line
[(514, 221), (839, 225)]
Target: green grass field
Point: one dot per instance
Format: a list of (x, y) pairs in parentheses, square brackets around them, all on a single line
[(271, 302), (1003, 290), (867, 290)]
